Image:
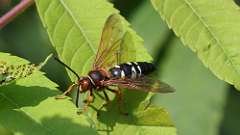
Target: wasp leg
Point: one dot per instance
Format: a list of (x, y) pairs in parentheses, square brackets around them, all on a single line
[(77, 97), (119, 100), (105, 104), (100, 96), (87, 102), (106, 96), (62, 96)]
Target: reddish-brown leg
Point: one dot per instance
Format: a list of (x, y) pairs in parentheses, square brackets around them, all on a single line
[(88, 101), (62, 96)]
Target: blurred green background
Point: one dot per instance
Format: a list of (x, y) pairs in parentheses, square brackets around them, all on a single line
[(201, 105)]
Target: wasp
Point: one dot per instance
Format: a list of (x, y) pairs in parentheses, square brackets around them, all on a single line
[(107, 72)]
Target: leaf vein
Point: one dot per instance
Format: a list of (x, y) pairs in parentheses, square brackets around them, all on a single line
[(163, 6), (189, 4), (78, 25), (190, 29), (48, 7), (66, 38), (175, 12), (185, 22), (58, 21)]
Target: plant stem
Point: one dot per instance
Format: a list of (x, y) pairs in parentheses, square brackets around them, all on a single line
[(10, 15)]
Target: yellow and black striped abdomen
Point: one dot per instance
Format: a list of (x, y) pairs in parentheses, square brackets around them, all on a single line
[(131, 69)]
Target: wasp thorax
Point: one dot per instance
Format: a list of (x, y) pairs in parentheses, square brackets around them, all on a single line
[(96, 77), (84, 83)]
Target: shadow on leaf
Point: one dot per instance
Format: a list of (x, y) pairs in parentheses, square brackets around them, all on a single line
[(21, 96), (66, 126), (230, 121), (29, 110), (55, 125), (135, 104)]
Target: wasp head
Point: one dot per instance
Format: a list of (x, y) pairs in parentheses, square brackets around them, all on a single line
[(84, 83)]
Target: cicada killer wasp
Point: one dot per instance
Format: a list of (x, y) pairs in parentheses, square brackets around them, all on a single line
[(106, 70)]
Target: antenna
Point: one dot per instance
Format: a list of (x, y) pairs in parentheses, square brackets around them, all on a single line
[(77, 98), (58, 60)]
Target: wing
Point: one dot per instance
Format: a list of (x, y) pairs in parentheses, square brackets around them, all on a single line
[(112, 35), (142, 83)]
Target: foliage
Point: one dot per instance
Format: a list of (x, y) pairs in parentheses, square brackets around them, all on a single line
[(80, 38), (209, 29), (13, 70), (180, 68), (196, 84), (27, 100), (201, 104)]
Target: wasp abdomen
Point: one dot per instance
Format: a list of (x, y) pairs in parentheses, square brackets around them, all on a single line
[(132, 69)]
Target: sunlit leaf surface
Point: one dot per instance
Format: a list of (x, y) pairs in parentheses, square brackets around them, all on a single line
[(210, 29), (75, 34)]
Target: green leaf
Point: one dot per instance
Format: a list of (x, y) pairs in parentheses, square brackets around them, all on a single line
[(199, 100), (13, 68), (139, 121), (31, 42), (4, 131), (76, 34), (210, 30), (28, 106), (149, 25)]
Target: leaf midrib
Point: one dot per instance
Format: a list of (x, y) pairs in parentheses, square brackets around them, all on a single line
[(211, 33), (78, 25)]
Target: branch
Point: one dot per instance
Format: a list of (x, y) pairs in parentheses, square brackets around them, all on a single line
[(10, 15)]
